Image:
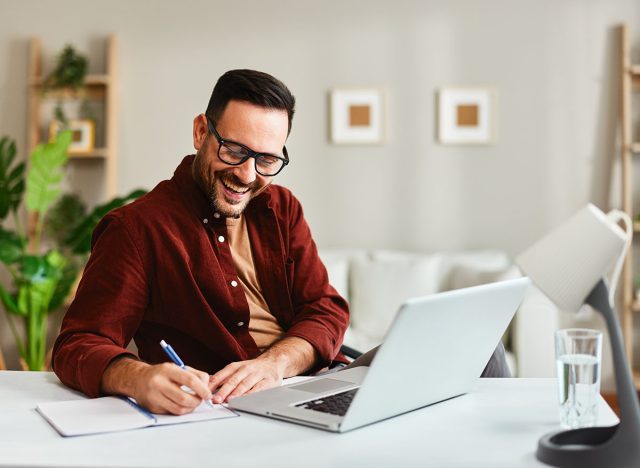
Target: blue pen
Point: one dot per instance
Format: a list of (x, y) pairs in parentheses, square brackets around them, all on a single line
[(178, 362)]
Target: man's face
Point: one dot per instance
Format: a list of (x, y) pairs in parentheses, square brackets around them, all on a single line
[(230, 188)]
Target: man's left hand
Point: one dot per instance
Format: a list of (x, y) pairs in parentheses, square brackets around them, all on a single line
[(243, 377), (285, 358)]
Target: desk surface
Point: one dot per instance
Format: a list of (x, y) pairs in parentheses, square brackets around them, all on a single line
[(496, 425)]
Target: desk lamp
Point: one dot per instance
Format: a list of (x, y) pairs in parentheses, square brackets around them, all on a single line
[(569, 265)]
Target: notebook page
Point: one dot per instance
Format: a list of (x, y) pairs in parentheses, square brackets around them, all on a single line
[(93, 416), (202, 413)]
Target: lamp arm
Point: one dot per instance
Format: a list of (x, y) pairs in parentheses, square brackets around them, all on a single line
[(627, 397)]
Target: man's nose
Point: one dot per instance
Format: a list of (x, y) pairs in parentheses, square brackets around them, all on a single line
[(246, 171)]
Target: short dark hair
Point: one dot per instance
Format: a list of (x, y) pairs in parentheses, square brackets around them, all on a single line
[(251, 86)]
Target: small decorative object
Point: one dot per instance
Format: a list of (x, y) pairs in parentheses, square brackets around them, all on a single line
[(465, 116), (357, 116), (82, 134)]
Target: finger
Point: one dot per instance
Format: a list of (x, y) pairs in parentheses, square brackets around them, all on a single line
[(229, 386), (263, 384), (174, 407), (246, 385), (185, 400), (182, 387), (202, 376), (195, 380), (217, 379)]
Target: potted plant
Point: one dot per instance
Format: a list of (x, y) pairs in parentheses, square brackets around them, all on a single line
[(42, 273), (69, 74)]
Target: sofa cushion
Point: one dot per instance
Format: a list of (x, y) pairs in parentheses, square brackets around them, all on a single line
[(381, 282), (479, 267), (338, 262)]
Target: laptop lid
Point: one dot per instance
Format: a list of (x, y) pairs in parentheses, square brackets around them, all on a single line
[(435, 349)]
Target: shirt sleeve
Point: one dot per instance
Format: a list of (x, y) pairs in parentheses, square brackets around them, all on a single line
[(108, 308), (321, 315)]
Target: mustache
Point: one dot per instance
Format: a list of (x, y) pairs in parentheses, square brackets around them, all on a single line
[(231, 177)]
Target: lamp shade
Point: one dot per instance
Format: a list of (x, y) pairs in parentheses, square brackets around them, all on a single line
[(568, 262)]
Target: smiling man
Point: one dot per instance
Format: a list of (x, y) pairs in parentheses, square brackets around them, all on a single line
[(217, 261)]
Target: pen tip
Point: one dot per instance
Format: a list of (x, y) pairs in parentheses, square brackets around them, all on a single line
[(163, 343)]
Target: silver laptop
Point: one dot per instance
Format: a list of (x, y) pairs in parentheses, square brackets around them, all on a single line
[(435, 349)]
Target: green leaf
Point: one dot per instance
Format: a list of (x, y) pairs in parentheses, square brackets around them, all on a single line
[(11, 178), (46, 173), (11, 246), (40, 276), (63, 287), (8, 301), (79, 239), (63, 216)]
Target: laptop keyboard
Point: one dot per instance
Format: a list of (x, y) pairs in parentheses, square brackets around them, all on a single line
[(333, 404)]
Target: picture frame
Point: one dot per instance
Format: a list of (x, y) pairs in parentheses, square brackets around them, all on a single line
[(357, 116), (83, 135), (466, 116)]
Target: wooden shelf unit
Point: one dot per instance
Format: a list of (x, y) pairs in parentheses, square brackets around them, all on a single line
[(629, 83), (102, 87)]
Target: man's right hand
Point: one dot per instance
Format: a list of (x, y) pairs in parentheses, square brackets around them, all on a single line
[(157, 387)]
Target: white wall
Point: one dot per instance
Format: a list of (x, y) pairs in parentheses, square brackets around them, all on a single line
[(551, 61)]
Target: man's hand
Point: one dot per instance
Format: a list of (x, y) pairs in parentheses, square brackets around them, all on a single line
[(157, 387), (243, 377), (285, 358)]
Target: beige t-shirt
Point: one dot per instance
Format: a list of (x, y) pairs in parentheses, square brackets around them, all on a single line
[(263, 326)]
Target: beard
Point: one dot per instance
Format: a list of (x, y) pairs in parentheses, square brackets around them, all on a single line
[(214, 187), (227, 206)]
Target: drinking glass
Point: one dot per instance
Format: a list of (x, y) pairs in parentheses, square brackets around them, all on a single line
[(578, 363)]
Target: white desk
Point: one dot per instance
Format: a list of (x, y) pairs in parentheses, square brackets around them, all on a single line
[(497, 425)]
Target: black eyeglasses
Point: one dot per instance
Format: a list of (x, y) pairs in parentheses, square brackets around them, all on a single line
[(234, 154)]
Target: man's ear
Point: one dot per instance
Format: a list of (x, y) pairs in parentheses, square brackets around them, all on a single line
[(200, 130)]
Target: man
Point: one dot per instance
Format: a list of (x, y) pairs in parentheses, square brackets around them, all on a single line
[(217, 261)]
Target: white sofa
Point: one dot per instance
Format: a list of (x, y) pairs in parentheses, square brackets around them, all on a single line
[(376, 282)]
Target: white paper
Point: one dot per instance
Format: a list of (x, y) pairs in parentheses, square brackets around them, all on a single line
[(111, 414)]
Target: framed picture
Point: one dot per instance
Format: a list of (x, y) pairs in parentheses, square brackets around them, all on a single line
[(82, 138), (465, 116), (357, 116)]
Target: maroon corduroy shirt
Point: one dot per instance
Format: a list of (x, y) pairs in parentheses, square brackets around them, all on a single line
[(161, 268)]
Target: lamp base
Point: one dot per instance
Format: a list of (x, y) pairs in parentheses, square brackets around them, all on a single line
[(588, 447)]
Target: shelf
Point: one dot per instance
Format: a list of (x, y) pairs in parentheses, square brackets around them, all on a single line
[(634, 71), (101, 87), (89, 80), (96, 153)]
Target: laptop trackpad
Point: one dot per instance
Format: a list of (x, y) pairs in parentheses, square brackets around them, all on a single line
[(321, 385)]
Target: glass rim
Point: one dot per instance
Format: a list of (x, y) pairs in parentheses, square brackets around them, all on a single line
[(579, 333)]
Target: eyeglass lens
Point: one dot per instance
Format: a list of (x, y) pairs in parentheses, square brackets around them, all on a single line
[(234, 154)]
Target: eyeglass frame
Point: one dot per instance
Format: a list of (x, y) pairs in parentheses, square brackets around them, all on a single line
[(250, 152)]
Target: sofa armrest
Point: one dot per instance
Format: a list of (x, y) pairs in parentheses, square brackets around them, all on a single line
[(533, 330)]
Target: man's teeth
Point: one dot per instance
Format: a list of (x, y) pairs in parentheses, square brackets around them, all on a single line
[(234, 187)]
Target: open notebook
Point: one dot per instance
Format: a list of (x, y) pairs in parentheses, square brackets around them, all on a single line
[(111, 414)]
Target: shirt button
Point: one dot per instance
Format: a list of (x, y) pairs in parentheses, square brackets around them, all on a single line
[(216, 215), (205, 220), (234, 283), (220, 238), (240, 324)]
